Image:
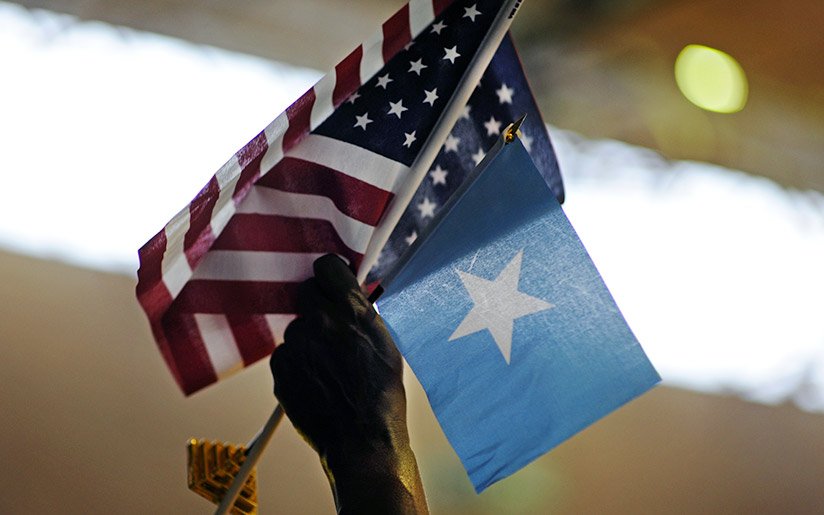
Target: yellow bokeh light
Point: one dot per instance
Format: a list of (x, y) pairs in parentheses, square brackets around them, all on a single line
[(711, 79)]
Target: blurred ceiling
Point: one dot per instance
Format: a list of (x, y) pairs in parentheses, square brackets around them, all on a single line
[(603, 68)]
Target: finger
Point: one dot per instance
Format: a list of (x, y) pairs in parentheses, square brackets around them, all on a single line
[(286, 360), (305, 364), (320, 314), (295, 332), (292, 369), (282, 365), (336, 280), (289, 373)]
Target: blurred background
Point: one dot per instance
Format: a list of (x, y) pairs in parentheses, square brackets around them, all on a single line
[(690, 137)]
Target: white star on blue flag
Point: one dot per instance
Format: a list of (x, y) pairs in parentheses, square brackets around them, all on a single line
[(501, 272)]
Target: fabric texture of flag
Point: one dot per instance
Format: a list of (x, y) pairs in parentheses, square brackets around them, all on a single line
[(219, 282), (507, 324)]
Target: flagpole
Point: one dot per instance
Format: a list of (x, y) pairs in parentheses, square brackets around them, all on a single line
[(253, 454), (432, 145)]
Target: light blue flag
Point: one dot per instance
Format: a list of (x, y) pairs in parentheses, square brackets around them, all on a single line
[(505, 321)]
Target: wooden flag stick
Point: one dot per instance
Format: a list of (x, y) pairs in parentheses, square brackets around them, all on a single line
[(253, 454)]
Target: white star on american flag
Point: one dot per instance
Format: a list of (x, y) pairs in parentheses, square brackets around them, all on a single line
[(526, 140), (438, 27), (431, 96), (362, 121), (505, 94), (493, 127), (451, 143), (354, 96), (417, 66), (410, 138), (411, 238), (438, 176), (465, 113), (451, 54), (427, 208), (396, 108), (383, 81), (471, 12), (478, 156)]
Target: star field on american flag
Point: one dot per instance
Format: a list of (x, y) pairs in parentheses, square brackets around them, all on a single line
[(502, 97), (393, 112)]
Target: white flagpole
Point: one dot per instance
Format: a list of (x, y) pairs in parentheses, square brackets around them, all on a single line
[(436, 138), (253, 454)]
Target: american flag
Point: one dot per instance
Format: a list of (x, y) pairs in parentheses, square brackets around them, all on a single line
[(219, 282)]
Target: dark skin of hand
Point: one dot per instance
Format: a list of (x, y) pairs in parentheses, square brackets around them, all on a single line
[(338, 376)]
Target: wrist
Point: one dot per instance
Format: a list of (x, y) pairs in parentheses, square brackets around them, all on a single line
[(375, 475), (373, 448)]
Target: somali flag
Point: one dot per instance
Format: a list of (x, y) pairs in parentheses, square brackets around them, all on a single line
[(507, 324)]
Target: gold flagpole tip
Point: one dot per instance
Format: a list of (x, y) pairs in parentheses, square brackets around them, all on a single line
[(212, 468), (513, 130)]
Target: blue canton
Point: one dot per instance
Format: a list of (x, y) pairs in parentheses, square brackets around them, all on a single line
[(502, 97), (394, 112)]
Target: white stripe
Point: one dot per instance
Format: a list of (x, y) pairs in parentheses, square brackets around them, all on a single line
[(277, 325), (176, 271), (247, 265), (276, 129), (272, 156), (323, 106), (223, 211), (177, 226), (268, 201), (421, 14), (274, 137), (174, 267), (372, 60), (225, 206), (220, 344), (351, 160), (229, 172)]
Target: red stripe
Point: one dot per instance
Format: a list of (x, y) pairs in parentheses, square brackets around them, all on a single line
[(396, 33), (249, 159), (166, 352), (347, 76), (199, 237), (151, 291), (154, 297), (353, 197), (270, 233), (188, 351), (440, 5), (253, 337), (237, 297), (252, 150), (299, 115)]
